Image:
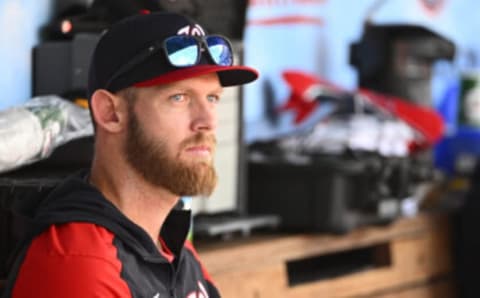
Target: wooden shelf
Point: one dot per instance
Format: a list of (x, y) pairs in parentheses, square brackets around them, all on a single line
[(408, 258)]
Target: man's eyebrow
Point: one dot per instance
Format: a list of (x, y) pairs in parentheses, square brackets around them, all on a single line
[(186, 88), (218, 90)]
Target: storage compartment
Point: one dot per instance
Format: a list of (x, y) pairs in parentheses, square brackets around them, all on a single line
[(338, 264), (410, 258)]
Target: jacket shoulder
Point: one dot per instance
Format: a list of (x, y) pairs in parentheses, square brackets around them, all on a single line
[(71, 260)]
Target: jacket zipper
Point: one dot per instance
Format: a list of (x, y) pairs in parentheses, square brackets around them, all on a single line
[(173, 282)]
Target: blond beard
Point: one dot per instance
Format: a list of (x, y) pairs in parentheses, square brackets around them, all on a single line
[(150, 159)]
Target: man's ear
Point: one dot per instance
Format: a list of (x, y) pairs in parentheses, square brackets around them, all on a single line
[(109, 111)]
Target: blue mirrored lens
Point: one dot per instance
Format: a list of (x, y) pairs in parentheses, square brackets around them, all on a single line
[(182, 50), (220, 50)]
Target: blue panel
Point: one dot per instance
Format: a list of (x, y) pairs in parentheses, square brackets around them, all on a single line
[(20, 21)]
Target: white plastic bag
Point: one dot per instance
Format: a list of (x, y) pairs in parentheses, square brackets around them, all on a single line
[(31, 132)]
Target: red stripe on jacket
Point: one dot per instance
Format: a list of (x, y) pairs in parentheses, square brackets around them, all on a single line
[(74, 260), (189, 246)]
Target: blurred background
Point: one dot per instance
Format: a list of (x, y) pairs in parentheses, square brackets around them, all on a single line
[(365, 111)]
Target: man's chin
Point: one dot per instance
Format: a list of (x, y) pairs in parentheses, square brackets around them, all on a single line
[(198, 163)]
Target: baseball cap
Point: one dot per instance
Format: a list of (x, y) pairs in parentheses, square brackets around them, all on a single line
[(127, 38)]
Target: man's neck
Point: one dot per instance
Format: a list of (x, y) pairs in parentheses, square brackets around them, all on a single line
[(143, 203)]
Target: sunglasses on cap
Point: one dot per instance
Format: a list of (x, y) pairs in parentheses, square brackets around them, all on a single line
[(183, 51)]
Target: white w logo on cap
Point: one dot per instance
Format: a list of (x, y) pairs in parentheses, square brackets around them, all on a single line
[(192, 30)]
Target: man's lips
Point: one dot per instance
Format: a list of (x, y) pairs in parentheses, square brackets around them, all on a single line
[(203, 150), (200, 145)]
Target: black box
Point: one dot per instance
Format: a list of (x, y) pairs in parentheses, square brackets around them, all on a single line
[(330, 194), (61, 67)]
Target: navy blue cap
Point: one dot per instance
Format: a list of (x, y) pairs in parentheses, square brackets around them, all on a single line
[(125, 39)]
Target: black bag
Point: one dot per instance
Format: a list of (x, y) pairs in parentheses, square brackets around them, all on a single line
[(23, 189)]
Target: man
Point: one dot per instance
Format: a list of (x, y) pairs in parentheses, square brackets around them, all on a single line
[(114, 231)]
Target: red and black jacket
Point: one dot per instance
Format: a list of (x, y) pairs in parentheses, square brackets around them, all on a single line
[(83, 246)]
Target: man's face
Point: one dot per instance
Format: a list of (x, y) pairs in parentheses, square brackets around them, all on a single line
[(170, 138)]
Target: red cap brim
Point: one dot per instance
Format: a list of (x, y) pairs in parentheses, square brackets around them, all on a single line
[(228, 75)]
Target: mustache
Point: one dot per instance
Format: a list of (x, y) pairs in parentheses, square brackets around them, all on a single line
[(200, 139)]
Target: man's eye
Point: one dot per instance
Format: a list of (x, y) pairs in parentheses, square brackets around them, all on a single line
[(177, 97), (213, 98)]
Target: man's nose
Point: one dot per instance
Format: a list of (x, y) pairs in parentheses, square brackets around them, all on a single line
[(204, 115)]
